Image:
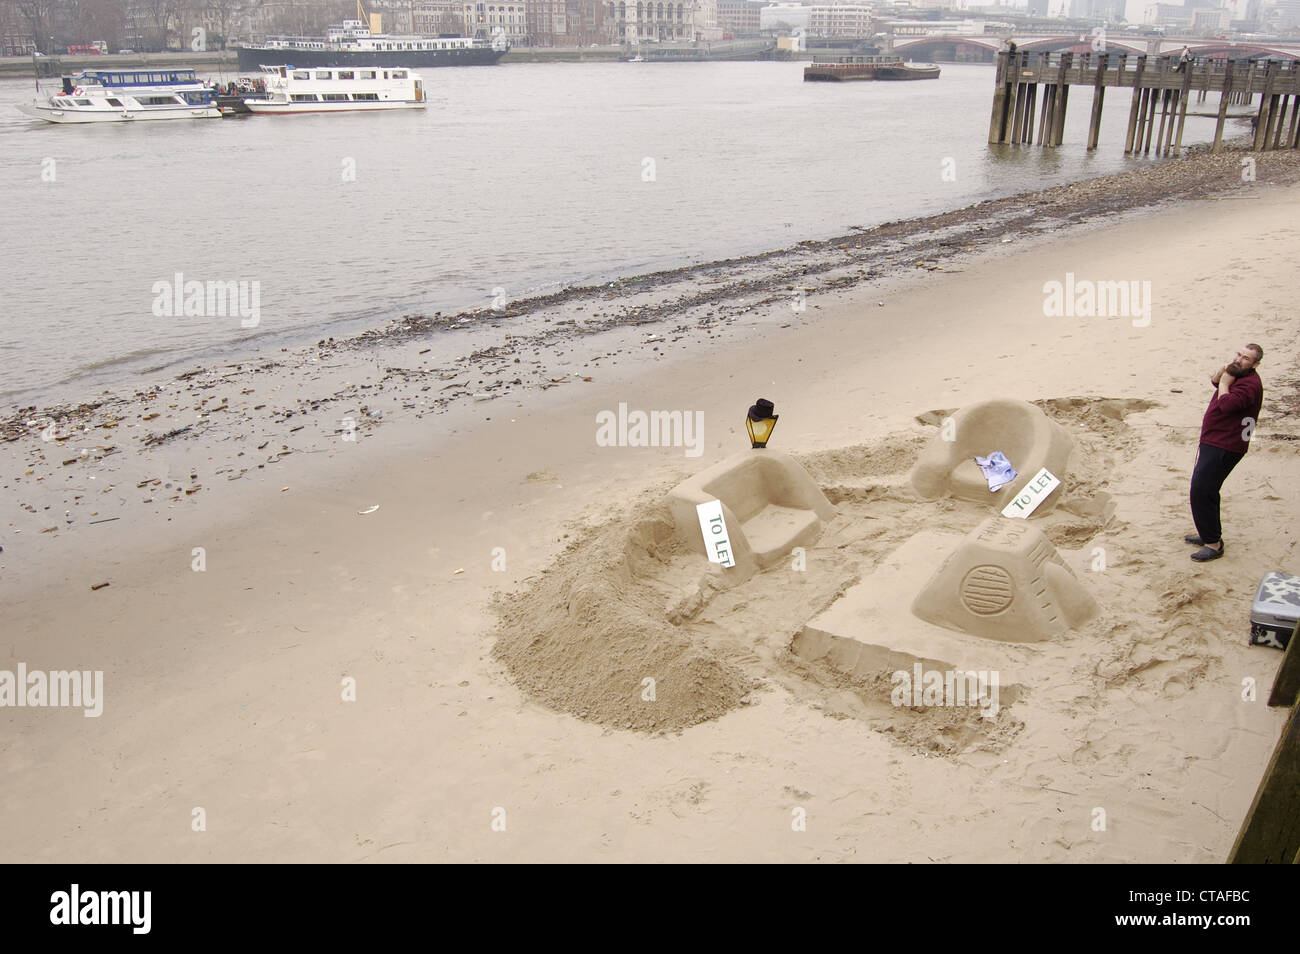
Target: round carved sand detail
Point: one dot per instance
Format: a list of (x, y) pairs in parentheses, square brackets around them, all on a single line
[(987, 589)]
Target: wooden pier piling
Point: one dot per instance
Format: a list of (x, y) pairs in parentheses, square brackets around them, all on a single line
[(1139, 94), (1098, 98), (1158, 106), (1224, 98)]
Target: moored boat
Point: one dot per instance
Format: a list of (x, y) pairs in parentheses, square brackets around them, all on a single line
[(841, 69), (289, 89), (121, 95), (352, 44)]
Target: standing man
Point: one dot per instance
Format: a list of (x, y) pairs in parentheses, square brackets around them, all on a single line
[(1226, 429)]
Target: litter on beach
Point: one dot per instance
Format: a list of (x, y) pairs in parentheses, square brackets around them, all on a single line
[(368, 510)]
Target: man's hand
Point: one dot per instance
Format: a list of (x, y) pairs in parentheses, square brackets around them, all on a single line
[(1218, 374), (1225, 382)]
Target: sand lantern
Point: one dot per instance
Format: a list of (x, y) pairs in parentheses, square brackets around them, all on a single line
[(760, 421)]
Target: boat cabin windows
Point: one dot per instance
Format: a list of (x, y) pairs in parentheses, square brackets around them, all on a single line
[(114, 102), (366, 97), (197, 99), (347, 74), (157, 100), (324, 75), (365, 74), (83, 102), (399, 74), (304, 98), (301, 74), (334, 97), (136, 78)]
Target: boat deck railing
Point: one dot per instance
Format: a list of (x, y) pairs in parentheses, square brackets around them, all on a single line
[(852, 60)]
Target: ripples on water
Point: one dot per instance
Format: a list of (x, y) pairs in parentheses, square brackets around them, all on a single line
[(517, 177)]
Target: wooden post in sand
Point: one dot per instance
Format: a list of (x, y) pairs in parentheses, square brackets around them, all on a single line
[(1286, 684), (1223, 107), (1098, 97), (1183, 96), (1271, 832), (1281, 122), (1138, 98)]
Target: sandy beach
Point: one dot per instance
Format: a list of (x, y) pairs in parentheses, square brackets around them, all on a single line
[(253, 586)]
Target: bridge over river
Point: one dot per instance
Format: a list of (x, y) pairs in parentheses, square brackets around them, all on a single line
[(985, 46)]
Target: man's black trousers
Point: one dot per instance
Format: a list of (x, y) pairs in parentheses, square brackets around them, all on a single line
[(1213, 465)]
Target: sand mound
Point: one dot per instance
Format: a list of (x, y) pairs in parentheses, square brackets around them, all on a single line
[(586, 638), (626, 603)]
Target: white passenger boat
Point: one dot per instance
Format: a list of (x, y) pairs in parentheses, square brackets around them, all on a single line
[(337, 89), (115, 96)]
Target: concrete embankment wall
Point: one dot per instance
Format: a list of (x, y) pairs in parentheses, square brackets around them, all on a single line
[(203, 62), (227, 60)]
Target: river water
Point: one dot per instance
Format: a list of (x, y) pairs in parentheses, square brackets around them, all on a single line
[(517, 178)]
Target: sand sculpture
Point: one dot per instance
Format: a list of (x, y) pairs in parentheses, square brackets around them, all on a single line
[(1006, 582), (889, 583), (769, 502), (1028, 437)]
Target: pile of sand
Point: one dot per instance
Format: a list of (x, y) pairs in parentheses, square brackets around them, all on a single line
[(587, 637)]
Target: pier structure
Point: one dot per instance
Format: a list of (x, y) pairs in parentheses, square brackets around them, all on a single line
[(1029, 83)]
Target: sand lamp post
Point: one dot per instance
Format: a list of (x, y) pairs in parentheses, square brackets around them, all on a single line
[(760, 421)]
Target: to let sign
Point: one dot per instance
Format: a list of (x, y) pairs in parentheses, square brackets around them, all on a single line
[(716, 543), (1032, 494)]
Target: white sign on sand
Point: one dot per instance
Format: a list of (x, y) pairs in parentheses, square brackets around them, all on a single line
[(1033, 493), (716, 542)]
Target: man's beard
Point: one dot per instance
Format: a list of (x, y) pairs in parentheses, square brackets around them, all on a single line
[(1236, 369)]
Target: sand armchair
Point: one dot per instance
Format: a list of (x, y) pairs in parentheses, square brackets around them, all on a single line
[(1029, 438), (769, 502)]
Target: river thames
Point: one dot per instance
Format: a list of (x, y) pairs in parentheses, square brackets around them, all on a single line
[(515, 179)]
